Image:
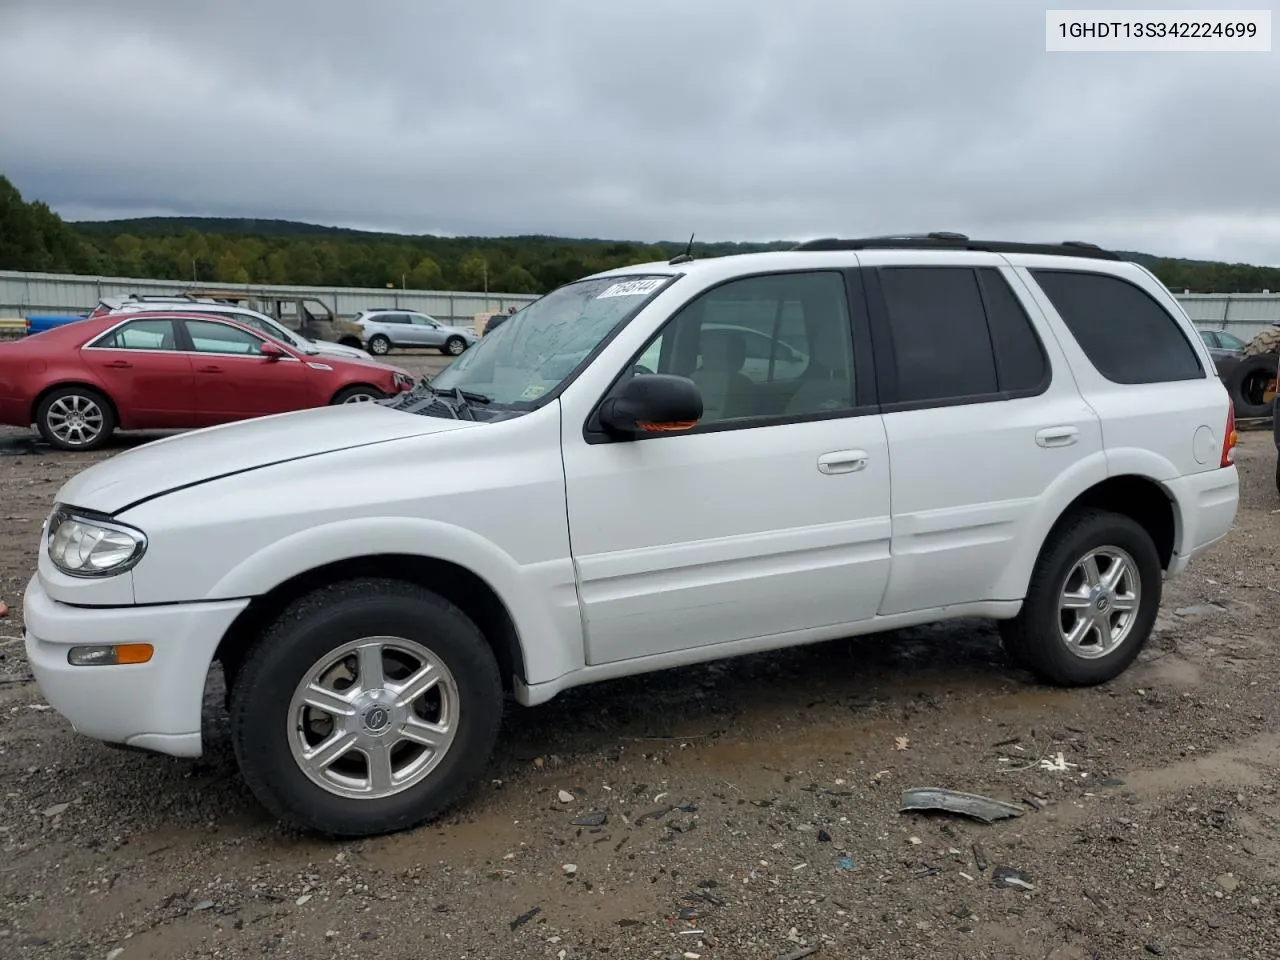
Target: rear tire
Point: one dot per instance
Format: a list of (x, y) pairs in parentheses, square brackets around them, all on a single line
[(326, 638), (358, 394), (379, 345), (75, 418), (1059, 598), (454, 346)]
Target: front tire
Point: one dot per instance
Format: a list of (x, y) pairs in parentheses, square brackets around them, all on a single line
[(358, 394), (1091, 603), (370, 706), (75, 418), (379, 345), (454, 346)]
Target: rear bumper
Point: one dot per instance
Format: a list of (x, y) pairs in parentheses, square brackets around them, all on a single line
[(153, 706), (1206, 505)]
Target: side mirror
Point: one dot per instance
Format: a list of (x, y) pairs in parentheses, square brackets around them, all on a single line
[(653, 403), (270, 351)]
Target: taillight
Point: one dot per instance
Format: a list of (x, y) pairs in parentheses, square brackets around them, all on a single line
[(1229, 441)]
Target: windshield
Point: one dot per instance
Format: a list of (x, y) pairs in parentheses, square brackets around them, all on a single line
[(544, 344)]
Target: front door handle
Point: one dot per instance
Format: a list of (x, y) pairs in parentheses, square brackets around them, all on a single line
[(1057, 436), (842, 461), (209, 369)]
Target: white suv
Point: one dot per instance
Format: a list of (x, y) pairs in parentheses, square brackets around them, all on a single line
[(1030, 433)]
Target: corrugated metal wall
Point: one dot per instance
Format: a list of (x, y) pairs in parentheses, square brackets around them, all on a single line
[(23, 294)]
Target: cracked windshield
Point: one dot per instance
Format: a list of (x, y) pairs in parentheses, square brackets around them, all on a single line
[(531, 355)]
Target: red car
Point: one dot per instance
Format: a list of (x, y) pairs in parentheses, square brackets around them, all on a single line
[(80, 382)]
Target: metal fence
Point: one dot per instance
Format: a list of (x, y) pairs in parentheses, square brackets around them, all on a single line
[(24, 294)]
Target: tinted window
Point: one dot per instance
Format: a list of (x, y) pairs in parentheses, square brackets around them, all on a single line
[(940, 336), (390, 318), (1020, 360), (1123, 331), (141, 335), (208, 336), (730, 341)]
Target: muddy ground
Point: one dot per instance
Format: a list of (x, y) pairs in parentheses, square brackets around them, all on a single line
[(751, 806)]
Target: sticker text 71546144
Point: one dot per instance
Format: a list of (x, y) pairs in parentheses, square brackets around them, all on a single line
[(633, 288)]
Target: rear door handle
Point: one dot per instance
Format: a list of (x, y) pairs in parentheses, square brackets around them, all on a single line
[(209, 369), (118, 364), (842, 461), (1057, 436)]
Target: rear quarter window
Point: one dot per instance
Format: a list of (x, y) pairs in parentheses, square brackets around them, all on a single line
[(1125, 333)]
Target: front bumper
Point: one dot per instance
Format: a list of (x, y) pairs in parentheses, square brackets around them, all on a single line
[(154, 705)]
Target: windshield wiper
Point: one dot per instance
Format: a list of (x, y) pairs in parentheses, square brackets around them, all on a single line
[(456, 401)]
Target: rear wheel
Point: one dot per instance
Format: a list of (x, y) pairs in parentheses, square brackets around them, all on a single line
[(358, 394), (370, 706), (379, 345), (454, 346), (75, 418), (1091, 602)]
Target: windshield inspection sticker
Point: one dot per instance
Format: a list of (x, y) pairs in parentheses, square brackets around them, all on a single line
[(533, 392), (633, 288)]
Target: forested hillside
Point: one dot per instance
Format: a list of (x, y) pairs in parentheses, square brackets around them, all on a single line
[(208, 250)]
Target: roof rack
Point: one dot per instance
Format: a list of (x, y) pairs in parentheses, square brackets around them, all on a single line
[(944, 240)]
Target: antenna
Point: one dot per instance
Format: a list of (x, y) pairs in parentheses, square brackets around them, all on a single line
[(687, 256)]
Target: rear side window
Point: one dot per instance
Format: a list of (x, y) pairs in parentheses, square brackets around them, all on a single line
[(1123, 331), (940, 336), (1021, 364)]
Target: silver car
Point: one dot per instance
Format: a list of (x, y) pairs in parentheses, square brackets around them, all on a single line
[(384, 329)]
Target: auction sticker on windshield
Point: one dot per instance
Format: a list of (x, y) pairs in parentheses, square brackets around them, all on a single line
[(633, 288)]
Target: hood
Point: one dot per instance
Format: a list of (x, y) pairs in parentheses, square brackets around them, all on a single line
[(324, 347), (197, 457)]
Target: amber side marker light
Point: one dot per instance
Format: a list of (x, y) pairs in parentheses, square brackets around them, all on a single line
[(102, 655), (673, 427)]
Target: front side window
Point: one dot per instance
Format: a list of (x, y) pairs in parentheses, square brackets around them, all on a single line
[(547, 342), (154, 334), (776, 346), (208, 336), (1229, 341)]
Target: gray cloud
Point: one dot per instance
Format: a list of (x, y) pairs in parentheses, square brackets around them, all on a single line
[(740, 119)]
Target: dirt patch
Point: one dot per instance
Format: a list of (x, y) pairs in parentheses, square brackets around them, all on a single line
[(754, 800)]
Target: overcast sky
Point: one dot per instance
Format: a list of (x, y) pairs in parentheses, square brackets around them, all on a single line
[(639, 119)]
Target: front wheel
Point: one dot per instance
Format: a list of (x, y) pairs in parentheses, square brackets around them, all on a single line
[(358, 394), (454, 346), (1091, 602), (370, 706)]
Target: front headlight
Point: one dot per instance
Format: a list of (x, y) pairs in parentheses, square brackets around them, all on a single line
[(83, 545), (402, 380)]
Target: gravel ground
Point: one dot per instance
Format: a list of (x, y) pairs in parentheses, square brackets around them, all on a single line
[(745, 809)]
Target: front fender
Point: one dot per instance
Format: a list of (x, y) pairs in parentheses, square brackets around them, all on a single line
[(540, 597)]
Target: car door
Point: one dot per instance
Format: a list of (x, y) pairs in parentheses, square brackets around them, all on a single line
[(982, 416), (234, 381), (425, 331), (147, 377), (394, 326), (750, 525)]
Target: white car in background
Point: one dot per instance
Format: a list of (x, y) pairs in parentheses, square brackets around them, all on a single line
[(252, 318), (384, 329)]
